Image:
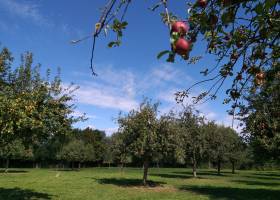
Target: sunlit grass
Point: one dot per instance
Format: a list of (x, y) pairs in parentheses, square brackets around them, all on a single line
[(112, 184)]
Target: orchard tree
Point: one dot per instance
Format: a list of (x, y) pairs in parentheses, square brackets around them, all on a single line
[(120, 149), (34, 109), (262, 117), (48, 149), (191, 136), (74, 151), (96, 139), (140, 134), (14, 150), (168, 138), (236, 150), (216, 143), (108, 155)]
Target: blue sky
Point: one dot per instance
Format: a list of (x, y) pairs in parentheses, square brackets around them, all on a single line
[(126, 74)]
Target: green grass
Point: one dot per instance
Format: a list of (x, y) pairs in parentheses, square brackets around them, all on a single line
[(112, 184)]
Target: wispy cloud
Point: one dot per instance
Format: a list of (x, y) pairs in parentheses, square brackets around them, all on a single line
[(166, 72), (115, 89), (122, 89), (25, 10), (162, 75), (104, 96)]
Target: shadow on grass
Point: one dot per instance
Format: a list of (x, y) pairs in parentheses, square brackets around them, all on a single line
[(205, 173), (67, 170), (256, 183), (268, 174), (21, 194), (227, 193), (262, 177), (125, 182), (13, 171), (179, 176)]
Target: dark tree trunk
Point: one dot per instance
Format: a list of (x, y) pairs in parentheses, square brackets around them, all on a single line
[(233, 167), (121, 167), (145, 174), (7, 165), (209, 164), (219, 167), (194, 164), (72, 165)]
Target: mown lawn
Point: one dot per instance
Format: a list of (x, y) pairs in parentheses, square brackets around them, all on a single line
[(112, 184)]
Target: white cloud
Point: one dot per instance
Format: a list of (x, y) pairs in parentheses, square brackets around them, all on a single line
[(25, 10), (166, 72), (163, 75), (115, 89), (119, 89), (167, 96), (106, 97), (228, 121)]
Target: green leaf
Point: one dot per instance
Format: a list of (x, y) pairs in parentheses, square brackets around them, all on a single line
[(259, 9), (171, 57), (162, 54), (114, 44)]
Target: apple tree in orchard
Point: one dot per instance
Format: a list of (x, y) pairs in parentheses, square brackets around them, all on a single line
[(191, 136), (33, 109), (140, 134)]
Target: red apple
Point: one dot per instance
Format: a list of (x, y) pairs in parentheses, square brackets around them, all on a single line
[(202, 3), (180, 27), (239, 77), (234, 56), (182, 46), (260, 75), (239, 44), (213, 19), (260, 78)]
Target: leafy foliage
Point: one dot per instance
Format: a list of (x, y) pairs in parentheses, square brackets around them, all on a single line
[(262, 118), (33, 109)]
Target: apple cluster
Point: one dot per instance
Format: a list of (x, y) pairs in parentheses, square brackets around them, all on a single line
[(180, 45)]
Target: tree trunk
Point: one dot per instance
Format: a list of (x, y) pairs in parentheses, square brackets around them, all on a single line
[(145, 175), (209, 164), (233, 167), (194, 164), (219, 167), (121, 167), (72, 165), (79, 165), (7, 165)]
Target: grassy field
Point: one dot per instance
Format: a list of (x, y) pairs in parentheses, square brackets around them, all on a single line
[(111, 184)]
